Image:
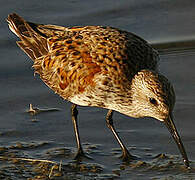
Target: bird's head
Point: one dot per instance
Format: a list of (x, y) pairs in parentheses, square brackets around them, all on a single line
[(152, 95)]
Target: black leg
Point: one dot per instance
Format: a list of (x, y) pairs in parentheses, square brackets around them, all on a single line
[(126, 156), (74, 112)]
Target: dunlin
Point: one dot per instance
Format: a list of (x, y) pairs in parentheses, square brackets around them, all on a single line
[(100, 66)]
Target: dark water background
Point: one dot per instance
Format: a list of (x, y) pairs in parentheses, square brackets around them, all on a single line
[(50, 135)]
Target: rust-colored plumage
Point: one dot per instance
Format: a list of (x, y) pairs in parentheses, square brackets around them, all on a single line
[(99, 66), (69, 59)]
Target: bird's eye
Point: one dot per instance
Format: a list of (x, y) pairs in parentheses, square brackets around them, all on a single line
[(153, 101)]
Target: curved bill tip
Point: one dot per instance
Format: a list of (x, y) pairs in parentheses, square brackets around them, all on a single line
[(172, 129)]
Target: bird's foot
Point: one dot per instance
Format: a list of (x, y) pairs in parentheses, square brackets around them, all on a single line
[(126, 156), (80, 155)]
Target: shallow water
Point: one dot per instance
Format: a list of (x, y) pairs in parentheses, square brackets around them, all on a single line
[(168, 25)]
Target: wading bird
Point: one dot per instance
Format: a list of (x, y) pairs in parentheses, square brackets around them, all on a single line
[(99, 66)]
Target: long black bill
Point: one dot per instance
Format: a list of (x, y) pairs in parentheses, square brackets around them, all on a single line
[(172, 129)]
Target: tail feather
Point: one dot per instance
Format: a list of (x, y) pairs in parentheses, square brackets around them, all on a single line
[(33, 42)]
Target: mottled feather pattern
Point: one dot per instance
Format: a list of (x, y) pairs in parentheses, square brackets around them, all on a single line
[(82, 48), (77, 61)]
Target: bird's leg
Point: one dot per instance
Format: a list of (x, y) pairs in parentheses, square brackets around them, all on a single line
[(74, 113), (126, 156)]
